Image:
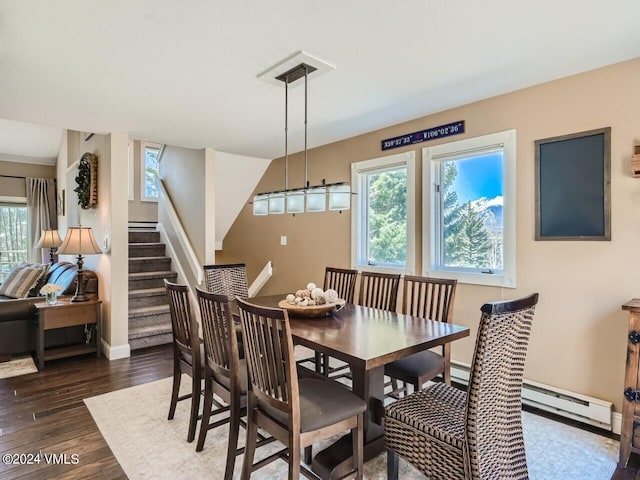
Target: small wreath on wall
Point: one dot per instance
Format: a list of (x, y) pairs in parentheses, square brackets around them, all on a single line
[(87, 181)]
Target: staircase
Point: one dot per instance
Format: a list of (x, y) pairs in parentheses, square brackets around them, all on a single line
[(149, 318)]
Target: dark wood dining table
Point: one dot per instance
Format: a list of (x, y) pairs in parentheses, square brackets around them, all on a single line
[(367, 339)]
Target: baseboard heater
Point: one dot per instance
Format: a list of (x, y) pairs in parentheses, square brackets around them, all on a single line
[(575, 406)]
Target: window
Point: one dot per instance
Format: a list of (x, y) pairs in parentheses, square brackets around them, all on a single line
[(150, 156), (382, 236), (13, 236), (469, 205)]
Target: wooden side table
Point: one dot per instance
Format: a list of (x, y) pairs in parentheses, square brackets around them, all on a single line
[(67, 314), (629, 434)]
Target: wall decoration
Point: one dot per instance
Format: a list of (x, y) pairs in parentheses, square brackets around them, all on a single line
[(573, 180), (87, 181), (441, 131)]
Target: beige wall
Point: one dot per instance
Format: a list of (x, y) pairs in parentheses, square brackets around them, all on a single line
[(140, 211), (16, 187), (109, 223), (578, 341)]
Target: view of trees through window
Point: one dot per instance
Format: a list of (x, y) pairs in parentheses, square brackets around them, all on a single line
[(13, 237), (150, 171), (472, 227), (387, 227)]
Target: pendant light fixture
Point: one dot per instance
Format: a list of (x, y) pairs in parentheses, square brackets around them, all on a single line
[(309, 198)]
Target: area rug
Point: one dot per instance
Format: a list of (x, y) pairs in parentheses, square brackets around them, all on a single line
[(134, 423), (17, 366)]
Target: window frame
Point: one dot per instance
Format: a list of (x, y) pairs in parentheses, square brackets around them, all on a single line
[(359, 210), (18, 202), (131, 161), (431, 241), (143, 149)]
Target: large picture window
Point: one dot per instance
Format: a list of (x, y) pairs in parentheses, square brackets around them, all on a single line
[(383, 218), (470, 203), (13, 236)]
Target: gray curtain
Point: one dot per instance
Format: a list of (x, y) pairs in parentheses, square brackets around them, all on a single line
[(41, 206)]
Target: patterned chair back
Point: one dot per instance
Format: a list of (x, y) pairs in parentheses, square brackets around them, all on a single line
[(229, 280), (495, 446)]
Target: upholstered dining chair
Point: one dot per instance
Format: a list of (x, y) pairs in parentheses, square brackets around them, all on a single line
[(187, 352), (298, 412), (449, 434), (430, 298), (379, 290), (229, 280), (343, 281)]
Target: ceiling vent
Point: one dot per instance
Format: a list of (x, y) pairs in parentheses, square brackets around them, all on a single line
[(278, 72)]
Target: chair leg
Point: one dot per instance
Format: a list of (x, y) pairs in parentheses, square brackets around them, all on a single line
[(392, 465), (308, 454), (196, 386), (357, 436), (177, 374), (206, 413), (318, 362), (325, 364), (294, 456), (234, 430), (250, 445)]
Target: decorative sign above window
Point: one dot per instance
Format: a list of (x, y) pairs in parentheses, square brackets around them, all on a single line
[(424, 135)]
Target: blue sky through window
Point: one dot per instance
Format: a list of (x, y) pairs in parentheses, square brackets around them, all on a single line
[(479, 177)]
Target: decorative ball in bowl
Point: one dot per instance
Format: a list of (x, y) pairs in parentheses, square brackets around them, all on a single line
[(312, 302)]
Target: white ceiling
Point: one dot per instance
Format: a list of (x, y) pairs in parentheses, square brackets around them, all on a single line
[(185, 72), (29, 143)]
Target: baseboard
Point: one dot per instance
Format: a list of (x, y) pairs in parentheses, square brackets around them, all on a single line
[(115, 352), (616, 423)]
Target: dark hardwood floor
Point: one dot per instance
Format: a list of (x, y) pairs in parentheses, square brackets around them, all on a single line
[(45, 411)]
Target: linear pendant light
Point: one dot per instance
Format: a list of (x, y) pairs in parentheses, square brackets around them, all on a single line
[(307, 198)]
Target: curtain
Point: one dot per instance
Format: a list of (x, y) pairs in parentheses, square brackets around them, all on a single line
[(41, 207)]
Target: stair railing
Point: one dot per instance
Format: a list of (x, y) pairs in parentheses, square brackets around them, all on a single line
[(176, 224)]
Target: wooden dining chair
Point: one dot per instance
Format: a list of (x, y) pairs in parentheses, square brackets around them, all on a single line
[(429, 298), (379, 290), (449, 434), (229, 280), (342, 281), (298, 412), (187, 352)]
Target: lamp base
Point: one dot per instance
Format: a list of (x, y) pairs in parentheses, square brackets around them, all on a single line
[(80, 298)]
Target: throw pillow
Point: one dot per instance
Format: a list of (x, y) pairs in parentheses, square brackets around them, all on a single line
[(21, 279), (35, 291)]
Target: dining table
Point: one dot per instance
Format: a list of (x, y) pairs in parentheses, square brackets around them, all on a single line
[(367, 339)]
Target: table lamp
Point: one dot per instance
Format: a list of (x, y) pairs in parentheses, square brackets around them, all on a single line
[(49, 239), (79, 241)]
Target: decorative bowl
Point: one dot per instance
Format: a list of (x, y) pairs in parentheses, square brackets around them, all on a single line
[(313, 311)]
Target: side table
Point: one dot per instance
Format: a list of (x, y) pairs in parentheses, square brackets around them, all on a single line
[(67, 314)]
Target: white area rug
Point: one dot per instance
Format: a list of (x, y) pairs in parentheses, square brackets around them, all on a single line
[(134, 423), (18, 366)]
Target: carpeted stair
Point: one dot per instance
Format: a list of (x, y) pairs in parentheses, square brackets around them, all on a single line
[(149, 318)]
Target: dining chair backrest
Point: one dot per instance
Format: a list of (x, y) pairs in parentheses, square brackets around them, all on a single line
[(183, 326), (229, 280), (379, 290), (268, 347), (426, 297), (342, 281), (219, 335), (495, 385)]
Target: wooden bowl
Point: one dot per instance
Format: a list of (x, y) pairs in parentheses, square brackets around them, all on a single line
[(313, 311)]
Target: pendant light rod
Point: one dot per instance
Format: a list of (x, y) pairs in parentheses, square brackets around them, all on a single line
[(306, 77), (286, 133)]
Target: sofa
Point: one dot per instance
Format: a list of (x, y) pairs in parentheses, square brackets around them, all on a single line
[(18, 316)]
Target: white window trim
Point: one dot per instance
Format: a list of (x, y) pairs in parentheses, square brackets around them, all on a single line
[(508, 277), (131, 169), (143, 147), (408, 159)]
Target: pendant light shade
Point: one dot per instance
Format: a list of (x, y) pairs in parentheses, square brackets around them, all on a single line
[(261, 205), (276, 203), (295, 201), (316, 199), (339, 196)]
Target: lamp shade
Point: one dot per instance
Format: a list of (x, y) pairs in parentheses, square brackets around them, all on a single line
[(316, 199), (79, 241), (276, 203), (295, 201), (49, 239)]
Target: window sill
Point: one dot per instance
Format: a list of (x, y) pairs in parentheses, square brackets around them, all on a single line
[(503, 281), (381, 269), (149, 200)]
